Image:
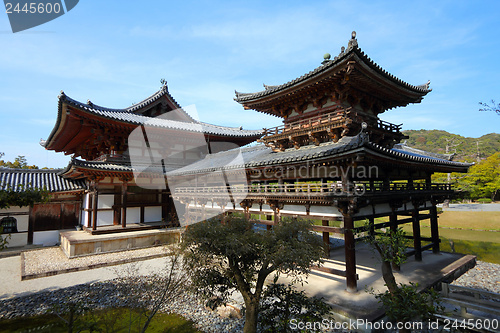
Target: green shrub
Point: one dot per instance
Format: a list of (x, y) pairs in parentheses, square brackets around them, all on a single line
[(484, 200), (282, 303), (407, 304)]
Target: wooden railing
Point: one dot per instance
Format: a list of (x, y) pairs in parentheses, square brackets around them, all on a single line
[(312, 188), (332, 118), (328, 118)]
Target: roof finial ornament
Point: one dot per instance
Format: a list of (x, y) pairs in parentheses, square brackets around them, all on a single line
[(163, 84), (352, 42), (326, 58), (89, 102), (61, 94)]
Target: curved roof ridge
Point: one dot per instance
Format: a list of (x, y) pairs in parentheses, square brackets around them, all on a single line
[(352, 48), (138, 119), (145, 102)]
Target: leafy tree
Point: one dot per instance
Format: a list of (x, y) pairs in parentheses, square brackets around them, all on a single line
[(483, 179), (20, 162), (21, 196), (391, 247), (233, 254), (466, 149), (407, 304), (282, 303), (403, 303), (493, 107), (3, 239)]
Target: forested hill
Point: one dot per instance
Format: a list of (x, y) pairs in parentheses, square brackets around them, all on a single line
[(466, 148)]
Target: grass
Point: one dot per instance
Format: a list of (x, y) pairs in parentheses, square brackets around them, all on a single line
[(114, 320), (483, 244), (469, 220)]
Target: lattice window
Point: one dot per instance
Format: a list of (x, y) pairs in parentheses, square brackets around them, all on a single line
[(9, 225)]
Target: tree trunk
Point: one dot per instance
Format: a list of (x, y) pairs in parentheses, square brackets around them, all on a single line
[(388, 276), (251, 313)]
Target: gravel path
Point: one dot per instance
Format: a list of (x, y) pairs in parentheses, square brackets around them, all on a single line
[(484, 276), (53, 259)]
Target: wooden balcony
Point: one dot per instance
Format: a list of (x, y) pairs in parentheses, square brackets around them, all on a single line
[(325, 127), (321, 192)]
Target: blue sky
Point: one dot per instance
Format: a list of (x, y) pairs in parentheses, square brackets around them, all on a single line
[(115, 53)]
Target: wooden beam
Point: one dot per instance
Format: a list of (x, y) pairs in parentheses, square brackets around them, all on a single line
[(323, 228)]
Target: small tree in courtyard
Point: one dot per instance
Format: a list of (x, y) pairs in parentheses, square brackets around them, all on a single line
[(232, 254), (402, 303)]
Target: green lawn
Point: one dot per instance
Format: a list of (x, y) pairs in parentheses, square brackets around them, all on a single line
[(470, 220), (484, 244), (109, 320)]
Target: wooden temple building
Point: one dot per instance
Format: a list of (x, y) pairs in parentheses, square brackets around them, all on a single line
[(332, 159), (116, 197)]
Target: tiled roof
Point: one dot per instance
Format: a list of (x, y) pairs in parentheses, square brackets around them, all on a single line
[(125, 167), (98, 165), (262, 156), (50, 180), (351, 50), (128, 116), (403, 147)]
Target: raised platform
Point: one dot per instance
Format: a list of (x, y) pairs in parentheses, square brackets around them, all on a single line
[(431, 271), (81, 243)]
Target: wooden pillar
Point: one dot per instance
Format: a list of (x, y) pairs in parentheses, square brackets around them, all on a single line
[(164, 206), (276, 216), (326, 238), (31, 226), (117, 208), (269, 218), (350, 254), (142, 214), (434, 228), (89, 211), (428, 181), (124, 204), (417, 243), (94, 209)]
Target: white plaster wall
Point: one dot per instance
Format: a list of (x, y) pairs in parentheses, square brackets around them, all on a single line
[(105, 200), (85, 205), (152, 214), (17, 239), (104, 218), (22, 222), (133, 215), (294, 209), (46, 238), (325, 210)]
